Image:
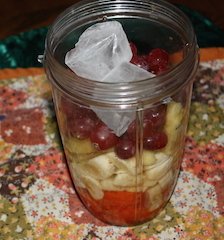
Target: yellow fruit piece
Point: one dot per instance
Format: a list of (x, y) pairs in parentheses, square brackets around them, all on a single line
[(174, 117), (148, 158), (154, 198), (100, 167), (159, 170), (94, 187), (167, 180), (78, 146)]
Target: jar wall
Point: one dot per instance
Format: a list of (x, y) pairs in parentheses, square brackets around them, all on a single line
[(124, 180)]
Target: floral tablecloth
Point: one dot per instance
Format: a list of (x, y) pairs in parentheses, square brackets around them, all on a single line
[(37, 198)]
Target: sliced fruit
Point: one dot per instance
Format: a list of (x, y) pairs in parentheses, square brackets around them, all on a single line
[(128, 165), (173, 129), (154, 198), (166, 180), (159, 170), (76, 173), (161, 157), (174, 116), (108, 185), (148, 158), (78, 146), (148, 183), (100, 167), (127, 180), (93, 187)]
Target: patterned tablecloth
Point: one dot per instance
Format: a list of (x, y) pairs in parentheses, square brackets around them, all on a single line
[(37, 198)]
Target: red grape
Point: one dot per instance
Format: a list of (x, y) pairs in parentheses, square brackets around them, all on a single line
[(81, 127), (147, 129), (158, 60), (125, 148), (103, 138), (140, 61), (156, 115), (156, 141), (133, 48)]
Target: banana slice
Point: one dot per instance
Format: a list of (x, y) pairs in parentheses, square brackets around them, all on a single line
[(127, 165), (127, 180), (93, 186), (159, 170), (166, 180), (148, 158), (108, 184), (76, 174), (154, 198), (174, 117), (160, 157), (100, 167), (148, 183)]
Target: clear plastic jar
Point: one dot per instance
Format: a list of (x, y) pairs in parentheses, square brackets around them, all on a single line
[(127, 179)]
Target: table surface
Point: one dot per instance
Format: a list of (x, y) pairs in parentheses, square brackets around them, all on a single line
[(23, 15)]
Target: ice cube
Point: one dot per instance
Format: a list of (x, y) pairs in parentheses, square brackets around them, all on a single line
[(100, 48), (103, 53), (127, 72)]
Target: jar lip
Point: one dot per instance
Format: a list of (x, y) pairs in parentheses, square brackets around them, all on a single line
[(190, 57)]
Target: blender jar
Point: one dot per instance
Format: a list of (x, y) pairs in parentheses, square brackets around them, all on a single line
[(124, 179)]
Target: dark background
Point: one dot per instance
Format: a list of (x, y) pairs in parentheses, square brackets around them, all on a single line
[(22, 15)]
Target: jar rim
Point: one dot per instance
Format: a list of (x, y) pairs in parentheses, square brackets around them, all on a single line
[(124, 94)]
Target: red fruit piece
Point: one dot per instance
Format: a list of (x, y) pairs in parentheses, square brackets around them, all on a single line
[(67, 107), (154, 120), (156, 115), (103, 138), (125, 148), (147, 129), (158, 60), (133, 48), (140, 61), (156, 141), (81, 127)]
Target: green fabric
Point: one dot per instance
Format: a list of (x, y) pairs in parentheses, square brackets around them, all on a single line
[(22, 50)]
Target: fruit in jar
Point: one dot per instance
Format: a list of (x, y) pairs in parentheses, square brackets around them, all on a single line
[(166, 180), (140, 61), (148, 158), (121, 208), (114, 180), (125, 148), (103, 138), (77, 146), (155, 141), (93, 187), (174, 118), (99, 167), (82, 127), (158, 60), (134, 49), (158, 170), (154, 198)]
